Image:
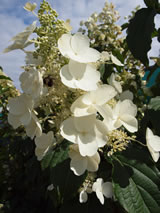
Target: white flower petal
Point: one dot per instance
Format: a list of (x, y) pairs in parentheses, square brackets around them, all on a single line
[(44, 141), (30, 7), (79, 43), (130, 123), (116, 61), (107, 189), (127, 107), (101, 132), (78, 165), (16, 107), (68, 130), (76, 69), (94, 78), (87, 145), (40, 153), (76, 47), (107, 113), (100, 196), (100, 96), (153, 140), (66, 77), (149, 138), (78, 108), (90, 55), (97, 184), (126, 95), (64, 45), (112, 81), (14, 120), (32, 83), (84, 124), (33, 128), (93, 162), (25, 118), (20, 40), (83, 197)]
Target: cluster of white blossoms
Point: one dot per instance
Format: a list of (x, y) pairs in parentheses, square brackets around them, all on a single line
[(21, 109), (84, 129), (102, 109)]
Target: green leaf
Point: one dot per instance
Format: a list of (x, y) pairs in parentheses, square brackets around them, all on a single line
[(102, 69), (136, 182), (155, 103), (153, 121), (56, 156), (124, 26), (139, 32), (65, 182), (151, 3), (5, 77)]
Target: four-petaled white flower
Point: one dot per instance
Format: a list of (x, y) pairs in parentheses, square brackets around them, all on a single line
[(77, 48), (43, 143), (85, 131), (89, 102), (32, 82), (123, 113), (20, 110), (79, 164), (80, 76), (102, 189), (153, 144), (21, 39)]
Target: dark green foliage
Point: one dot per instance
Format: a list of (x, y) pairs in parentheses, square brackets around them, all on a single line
[(136, 181), (139, 32), (5, 77), (92, 205), (153, 4), (155, 103), (65, 182)]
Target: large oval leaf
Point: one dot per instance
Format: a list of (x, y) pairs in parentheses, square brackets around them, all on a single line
[(139, 33), (136, 184)]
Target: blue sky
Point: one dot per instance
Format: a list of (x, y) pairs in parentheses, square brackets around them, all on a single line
[(14, 19)]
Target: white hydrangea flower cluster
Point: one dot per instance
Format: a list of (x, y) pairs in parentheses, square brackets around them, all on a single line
[(21, 109), (83, 128)]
